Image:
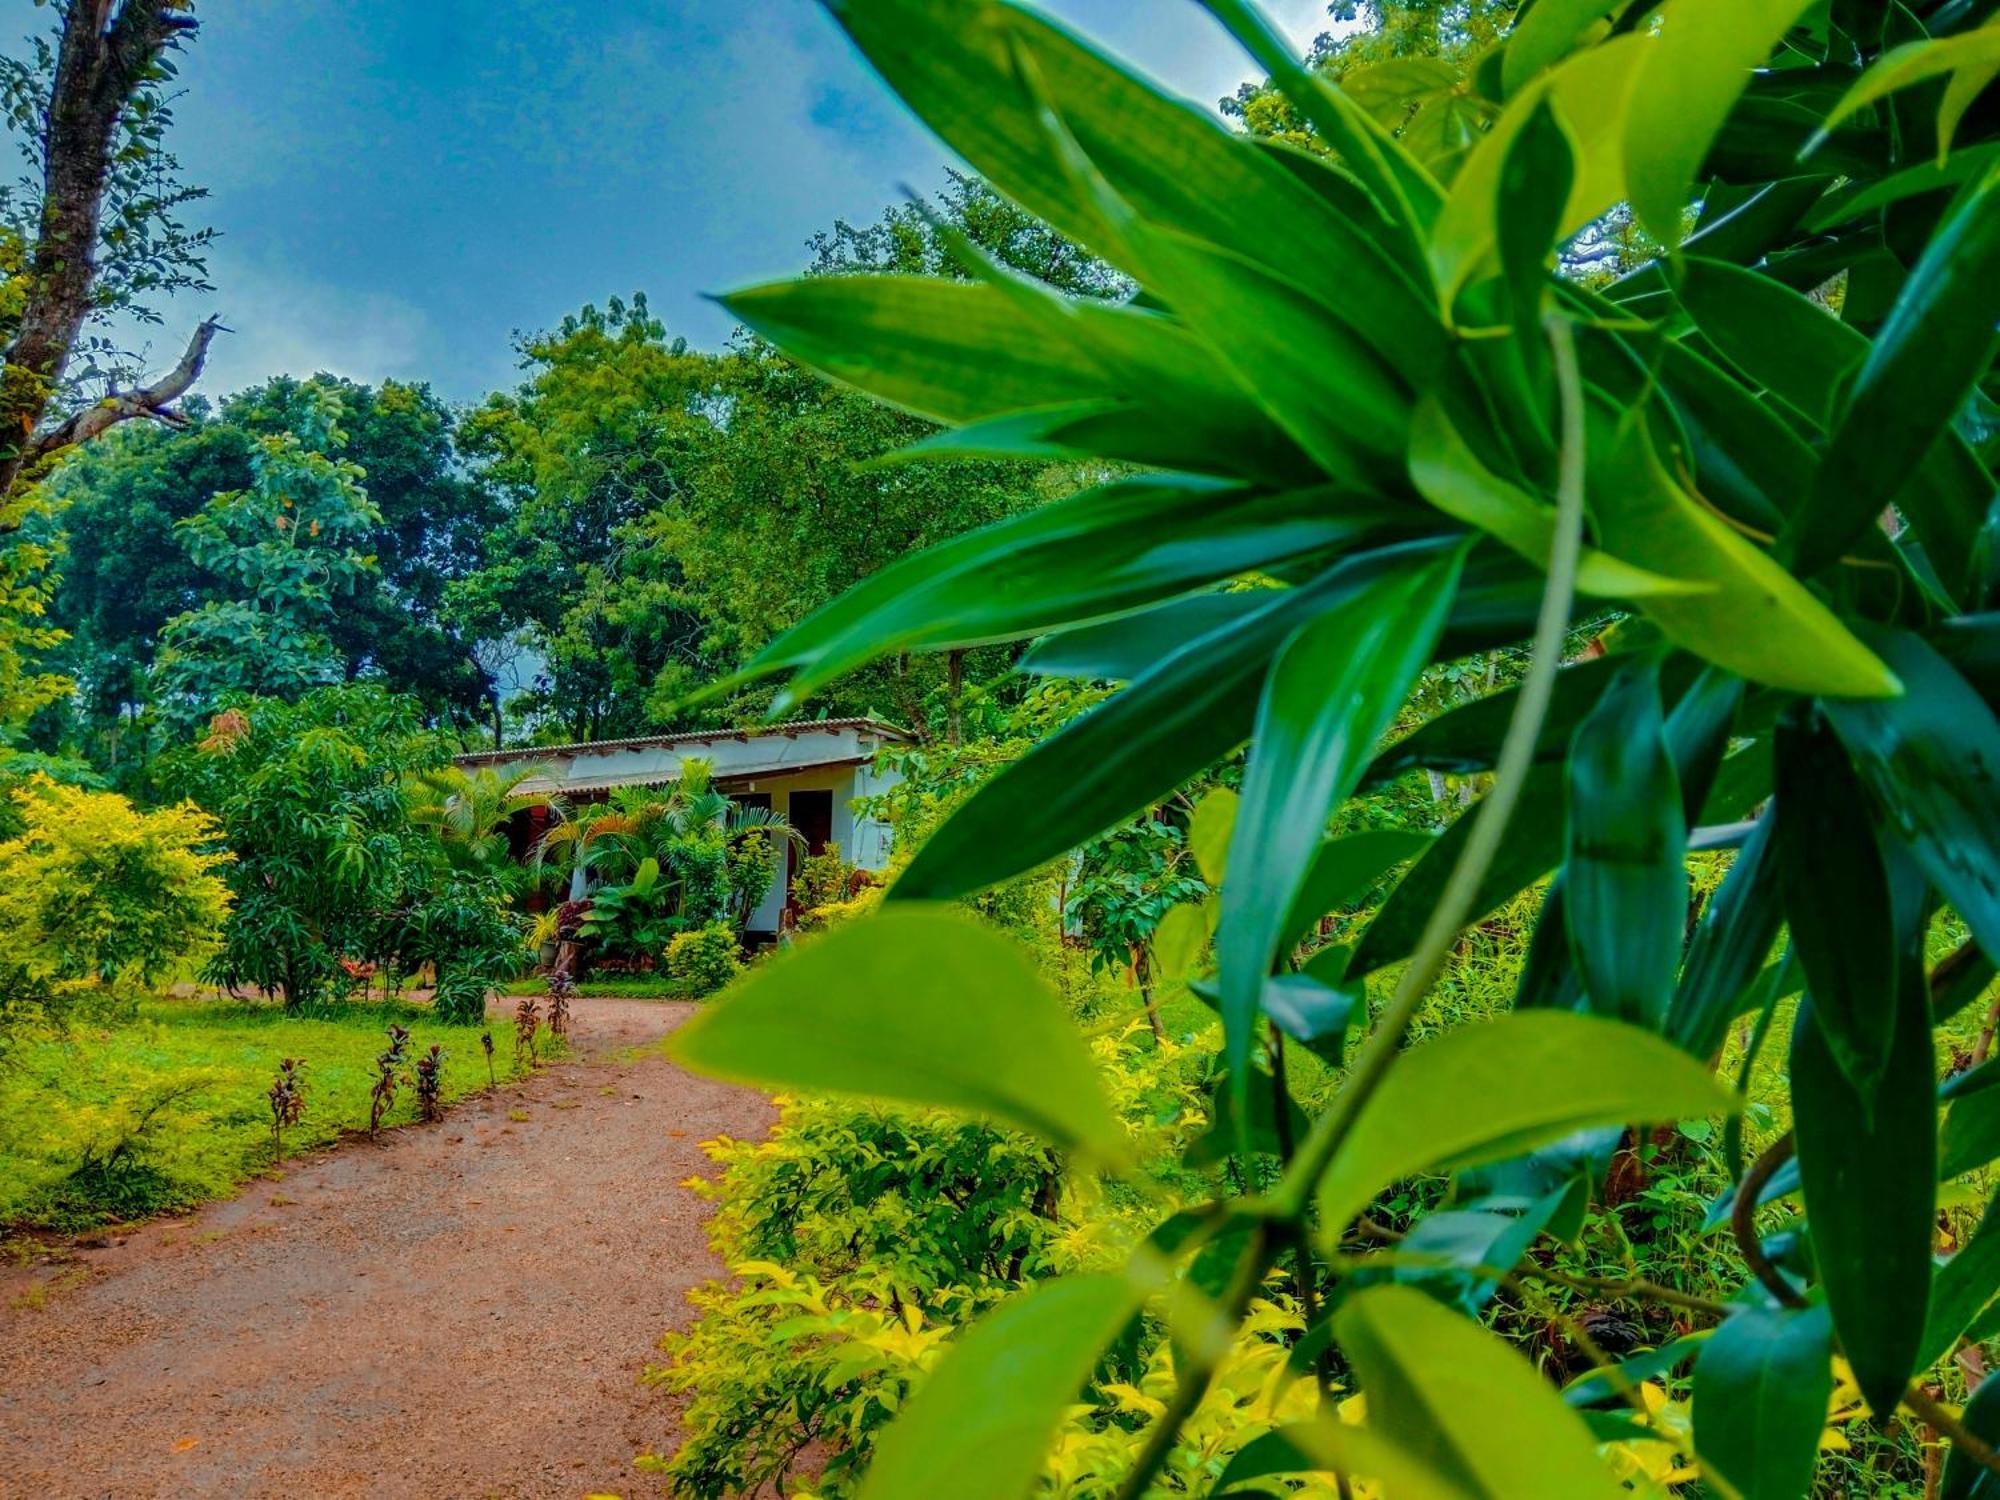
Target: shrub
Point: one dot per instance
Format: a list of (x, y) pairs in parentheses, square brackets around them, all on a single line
[(311, 801), (462, 926), (820, 881), (94, 889), (706, 958)]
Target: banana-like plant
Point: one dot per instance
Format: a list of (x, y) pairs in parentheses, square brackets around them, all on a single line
[(1762, 459)]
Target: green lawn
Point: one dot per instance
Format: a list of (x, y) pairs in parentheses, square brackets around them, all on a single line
[(627, 987), (161, 1113)]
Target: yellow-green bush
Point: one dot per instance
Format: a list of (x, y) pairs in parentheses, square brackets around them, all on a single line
[(94, 888)]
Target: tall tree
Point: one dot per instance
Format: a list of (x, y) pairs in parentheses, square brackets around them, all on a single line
[(93, 228), (125, 572), (286, 548)]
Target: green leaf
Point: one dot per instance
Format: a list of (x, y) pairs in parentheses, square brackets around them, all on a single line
[(1467, 738), (1971, 1136), (975, 352), (979, 1427), (1459, 1254), (1531, 849), (1964, 1286), (1966, 1478), (1760, 623), (1869, 1172), (1463, 1403), (1835, 889), (1694, 74), (1928, 357), (1649, 1364), (1625, 884), (1931, 760), (1547, 32), (1332, 693), (1761, 1390), (1727, 952), (1749, 459), (1912, 63), (1311, 1011), (1807, 358), (1782, 340), (1274, 1452), (1210, 827), (1588, 92), (880, 1008), (1344, 870), (1098, 553), (1179, 940), (1405, 194), (1332, 394), (954, 64), (1911, 182), (1496, 1089), (1188, 711), (1450, 476), (1125, 648)]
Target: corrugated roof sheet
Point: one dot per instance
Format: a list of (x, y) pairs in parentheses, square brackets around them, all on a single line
[(790, 727)]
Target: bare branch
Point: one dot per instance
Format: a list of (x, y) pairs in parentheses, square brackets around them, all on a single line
[(154, 401)]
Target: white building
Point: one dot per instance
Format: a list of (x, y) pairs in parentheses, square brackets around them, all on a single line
[(812, 771)]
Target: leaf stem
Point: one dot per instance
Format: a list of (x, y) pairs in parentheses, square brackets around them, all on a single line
[(1455, 905), (1198, 1368), (1743, 1221), (1926, 1408)]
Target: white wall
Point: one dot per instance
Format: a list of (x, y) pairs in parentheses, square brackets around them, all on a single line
[(864, 841)]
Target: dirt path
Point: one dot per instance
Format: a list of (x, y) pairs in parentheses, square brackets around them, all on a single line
[(462, 1310)]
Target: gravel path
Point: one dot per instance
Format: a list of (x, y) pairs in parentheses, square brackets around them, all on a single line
[(460, 1310)]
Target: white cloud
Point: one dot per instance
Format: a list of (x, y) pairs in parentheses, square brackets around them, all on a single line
[(283, 323)]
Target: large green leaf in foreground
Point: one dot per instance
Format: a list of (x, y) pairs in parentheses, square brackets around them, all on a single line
[(1455, 1398), (918, 1005), (977, 1429), (1499, 1088)]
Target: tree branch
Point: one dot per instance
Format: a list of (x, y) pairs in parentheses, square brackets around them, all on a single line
[(105, 56), (154, 401)]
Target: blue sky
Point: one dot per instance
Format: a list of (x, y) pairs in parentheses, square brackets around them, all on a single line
[(402, 184)]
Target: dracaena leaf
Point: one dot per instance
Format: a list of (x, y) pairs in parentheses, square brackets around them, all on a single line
[(1928, 357), (1835, 888), (1625, 873), (1760, 1397), (1496, 1089), (1868, 1166), (979, 1425), (1693, 75), (1439, 1387), (877, 1008)]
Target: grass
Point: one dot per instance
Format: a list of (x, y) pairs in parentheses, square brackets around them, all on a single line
[(168, 1110), (632, 987)]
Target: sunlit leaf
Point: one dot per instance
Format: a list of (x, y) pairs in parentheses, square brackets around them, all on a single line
[(977, 1428), (1625, 873), (1693, 75), (1495, 1089), (918, 1005), (1332, 693), (1440, 1387)]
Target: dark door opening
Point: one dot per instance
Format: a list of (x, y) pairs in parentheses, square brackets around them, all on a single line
[(811, 813)]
